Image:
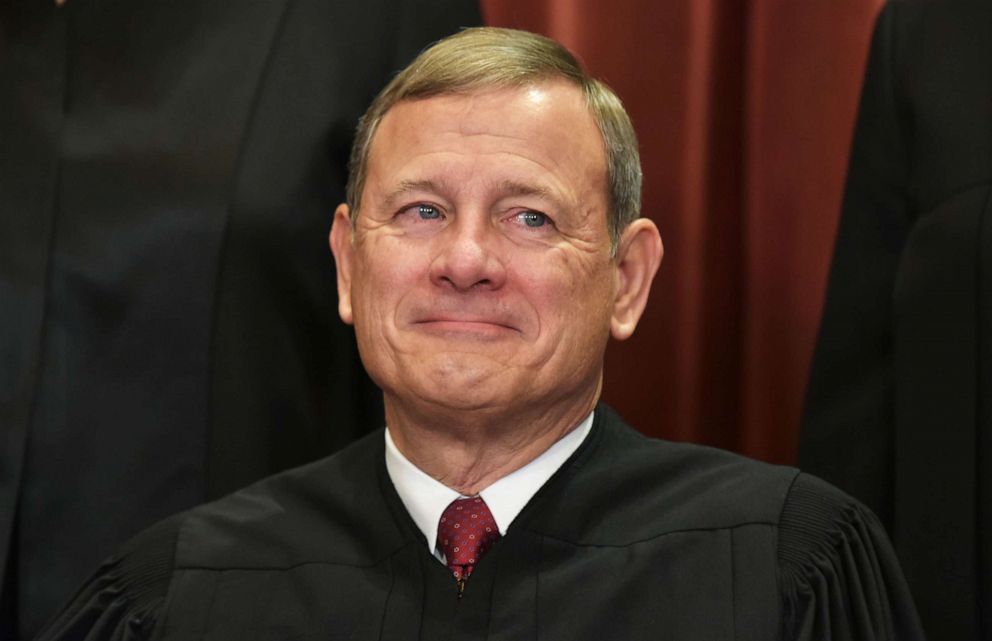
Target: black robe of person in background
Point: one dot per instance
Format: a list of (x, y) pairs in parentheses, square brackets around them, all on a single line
[(632, 539), (168, 329), (899, 406)]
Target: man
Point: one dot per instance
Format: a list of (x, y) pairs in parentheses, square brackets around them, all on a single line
[(489, 247)]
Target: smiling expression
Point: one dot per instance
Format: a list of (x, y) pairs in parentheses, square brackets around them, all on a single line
[(478, 273)]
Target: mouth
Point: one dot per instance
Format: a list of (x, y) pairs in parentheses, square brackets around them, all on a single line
[(472, 328)]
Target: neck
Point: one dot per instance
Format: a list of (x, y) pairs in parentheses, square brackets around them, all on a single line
[(469, 451)]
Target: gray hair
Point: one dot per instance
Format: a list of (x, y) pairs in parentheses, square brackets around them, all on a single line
[(491, 58)]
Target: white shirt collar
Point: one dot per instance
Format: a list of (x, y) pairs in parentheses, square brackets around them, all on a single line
[(426, 498)]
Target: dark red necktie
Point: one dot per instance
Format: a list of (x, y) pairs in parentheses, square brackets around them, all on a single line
[(466, 531)]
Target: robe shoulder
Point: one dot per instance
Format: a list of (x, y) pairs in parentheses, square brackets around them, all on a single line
[(838, 573), (123, 599), (835, 568), (289, 519), (278, 523), (650, 488)]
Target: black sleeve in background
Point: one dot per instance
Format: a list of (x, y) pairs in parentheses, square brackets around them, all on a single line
[(850, 395), (896, 410), (839, 576), (32, 90)]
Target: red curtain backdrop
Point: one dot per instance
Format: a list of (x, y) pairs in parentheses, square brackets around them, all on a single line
[(744, 109)]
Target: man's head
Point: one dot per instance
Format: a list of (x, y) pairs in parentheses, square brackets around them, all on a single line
[(477, 259), (487, 58)]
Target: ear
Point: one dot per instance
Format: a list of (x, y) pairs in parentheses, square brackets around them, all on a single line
[(638, 257), (342, 247)]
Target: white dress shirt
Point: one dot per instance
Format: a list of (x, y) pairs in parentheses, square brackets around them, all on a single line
[(426, 498)]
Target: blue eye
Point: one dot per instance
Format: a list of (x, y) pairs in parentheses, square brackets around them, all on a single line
[(428, 212), (533, 218)]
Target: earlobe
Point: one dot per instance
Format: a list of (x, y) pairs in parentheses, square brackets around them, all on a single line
[(342, 248), (638, 257)]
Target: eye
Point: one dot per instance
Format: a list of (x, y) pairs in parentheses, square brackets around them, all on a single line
[(533, 218), (420, 214), (428, 212)]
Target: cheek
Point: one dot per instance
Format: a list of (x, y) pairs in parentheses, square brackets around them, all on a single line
[(378, 289), (572, 297), (384, 272)]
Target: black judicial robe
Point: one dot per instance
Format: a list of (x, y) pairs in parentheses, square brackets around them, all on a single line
[(632, 538), (899, 405), (169, 171)]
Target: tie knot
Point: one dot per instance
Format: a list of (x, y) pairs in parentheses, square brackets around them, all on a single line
[(466, 531)]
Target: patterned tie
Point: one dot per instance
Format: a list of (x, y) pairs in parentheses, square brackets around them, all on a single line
[(466, 531)]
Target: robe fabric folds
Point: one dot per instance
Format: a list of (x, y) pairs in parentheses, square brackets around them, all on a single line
[(631, 539)]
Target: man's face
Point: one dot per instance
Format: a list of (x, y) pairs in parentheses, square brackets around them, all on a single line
[(479, 274)]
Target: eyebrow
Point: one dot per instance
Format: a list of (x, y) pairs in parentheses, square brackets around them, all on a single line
[(557, 201), (514, 188), (505, 188), (408, 186)]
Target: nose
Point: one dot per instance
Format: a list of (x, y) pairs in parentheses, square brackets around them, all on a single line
[(468, 257)]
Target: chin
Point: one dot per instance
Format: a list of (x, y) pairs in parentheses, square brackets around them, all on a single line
[(465, 403), (461, 381)]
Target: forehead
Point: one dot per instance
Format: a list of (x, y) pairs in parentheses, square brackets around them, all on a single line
[(542, 133)]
